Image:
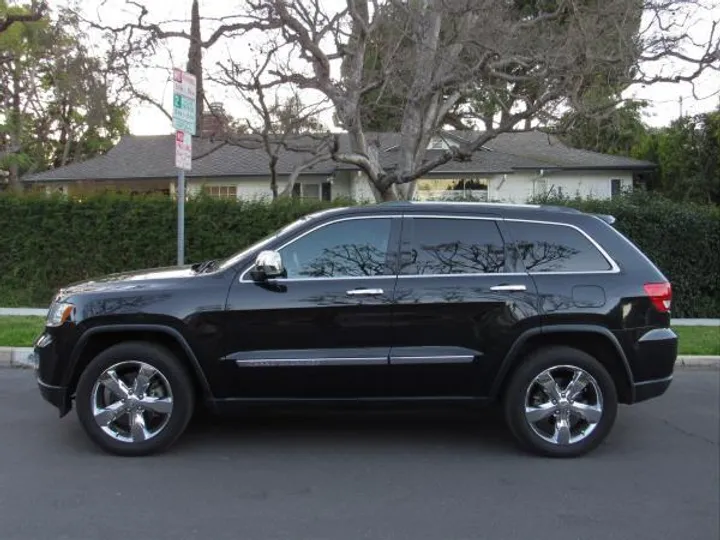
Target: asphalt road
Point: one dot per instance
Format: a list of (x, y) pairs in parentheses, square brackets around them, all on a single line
[(433, 475)]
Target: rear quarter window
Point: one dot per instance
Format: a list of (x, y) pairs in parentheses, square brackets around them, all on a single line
[(541, 248)]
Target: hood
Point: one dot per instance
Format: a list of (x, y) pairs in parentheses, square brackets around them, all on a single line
[(128, 281)]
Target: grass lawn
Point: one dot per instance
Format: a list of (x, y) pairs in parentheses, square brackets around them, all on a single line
[(20, 331), (702, 340)]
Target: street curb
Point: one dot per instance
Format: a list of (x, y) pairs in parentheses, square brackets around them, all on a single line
[(23, 312), (16, 357), (698, 361), (20, 357)]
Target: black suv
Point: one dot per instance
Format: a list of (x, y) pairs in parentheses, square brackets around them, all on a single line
[(549, 311)]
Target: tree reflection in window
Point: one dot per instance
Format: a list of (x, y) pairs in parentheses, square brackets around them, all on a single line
[(455, 246), (555, 248), (458, 258), (351, 248), (541, 256), (347, 260)]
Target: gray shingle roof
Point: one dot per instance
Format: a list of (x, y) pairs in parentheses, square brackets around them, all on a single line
[(550, 151), (153, 157)]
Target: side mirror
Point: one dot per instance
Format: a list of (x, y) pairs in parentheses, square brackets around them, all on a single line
[(268, 264)]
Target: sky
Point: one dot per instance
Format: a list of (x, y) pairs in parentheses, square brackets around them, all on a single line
[(664, 98)]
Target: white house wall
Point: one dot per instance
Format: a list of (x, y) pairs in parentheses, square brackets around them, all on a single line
[(520, 187)]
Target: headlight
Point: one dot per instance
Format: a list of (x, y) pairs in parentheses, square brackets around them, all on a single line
[(59, 313)]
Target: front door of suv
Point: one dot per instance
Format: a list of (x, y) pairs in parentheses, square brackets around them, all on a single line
[(460, 305), (324, 331)]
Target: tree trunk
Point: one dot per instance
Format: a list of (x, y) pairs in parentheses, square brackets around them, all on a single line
[(273, 177), (15, 131), (194, 64)]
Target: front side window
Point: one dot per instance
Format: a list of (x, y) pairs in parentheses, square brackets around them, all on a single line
[(555, 248), (455, 246), (350, 248)]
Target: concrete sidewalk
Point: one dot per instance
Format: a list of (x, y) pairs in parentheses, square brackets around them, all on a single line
[(21, 357)]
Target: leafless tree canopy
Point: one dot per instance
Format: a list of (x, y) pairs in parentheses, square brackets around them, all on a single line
[(531, 60)]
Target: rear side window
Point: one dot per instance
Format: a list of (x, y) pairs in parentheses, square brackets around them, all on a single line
[(454, 246), (555, 248)]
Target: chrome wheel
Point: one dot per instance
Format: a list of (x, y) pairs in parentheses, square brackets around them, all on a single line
[(563, 405), (132, 401)]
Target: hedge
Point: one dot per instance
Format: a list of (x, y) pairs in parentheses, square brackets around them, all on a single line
[(682, 239), (47, 242)]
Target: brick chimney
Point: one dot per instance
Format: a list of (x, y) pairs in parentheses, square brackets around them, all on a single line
[(214, 122)]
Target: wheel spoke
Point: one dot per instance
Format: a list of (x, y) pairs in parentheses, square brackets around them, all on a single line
[(142, 381), (549, 385), (591, 413), (138, 431), (562, 430), (535, 414), (577, 384), (110, 413), (157, 405), (112, 382)]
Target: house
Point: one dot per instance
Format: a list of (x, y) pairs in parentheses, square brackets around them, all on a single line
[(511, 168)]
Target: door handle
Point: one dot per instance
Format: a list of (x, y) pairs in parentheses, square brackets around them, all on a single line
[(364, 292), (509, 288)]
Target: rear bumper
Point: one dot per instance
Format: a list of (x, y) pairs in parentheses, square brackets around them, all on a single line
[(654, 363), (649, 389)]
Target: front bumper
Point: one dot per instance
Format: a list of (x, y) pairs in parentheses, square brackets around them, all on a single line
[(56, 395), (50, 374)]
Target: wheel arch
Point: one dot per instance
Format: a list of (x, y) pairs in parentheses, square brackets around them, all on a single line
[(596, 341), (98, 339)]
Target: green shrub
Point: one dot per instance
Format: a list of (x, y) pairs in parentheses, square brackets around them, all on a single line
[(46, 243), (49, 242), (682, 239)]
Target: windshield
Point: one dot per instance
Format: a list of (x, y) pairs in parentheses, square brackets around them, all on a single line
[(227, 263)]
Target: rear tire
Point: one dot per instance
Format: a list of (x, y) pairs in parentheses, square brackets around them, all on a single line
[(134, 399), (551, 416)]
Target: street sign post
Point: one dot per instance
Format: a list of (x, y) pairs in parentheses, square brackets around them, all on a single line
[(184, 110)]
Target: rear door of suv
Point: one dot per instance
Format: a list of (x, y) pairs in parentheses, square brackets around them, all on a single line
[(460, 304)]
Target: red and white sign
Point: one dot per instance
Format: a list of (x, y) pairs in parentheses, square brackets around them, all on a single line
[(183, 150)]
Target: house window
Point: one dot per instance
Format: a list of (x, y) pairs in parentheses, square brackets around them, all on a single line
[(222, 192), (615, 187), (449, 189), (313, 191)]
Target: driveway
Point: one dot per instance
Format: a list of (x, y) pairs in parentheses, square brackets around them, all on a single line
[(433, 475)]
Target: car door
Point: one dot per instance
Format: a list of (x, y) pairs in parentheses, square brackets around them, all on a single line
[(324, 331), (460, 305)]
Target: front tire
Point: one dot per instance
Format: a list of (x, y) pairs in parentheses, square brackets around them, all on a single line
[(560, 402), (134, 399)]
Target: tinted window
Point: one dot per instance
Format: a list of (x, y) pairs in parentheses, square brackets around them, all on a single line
[(356, 247), (455, 246), (555, 248)]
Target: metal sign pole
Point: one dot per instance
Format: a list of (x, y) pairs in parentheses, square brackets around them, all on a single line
[(185, 124), (181, 218)]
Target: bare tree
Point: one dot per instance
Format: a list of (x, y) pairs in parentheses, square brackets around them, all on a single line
[(531, 64), (279, 124)]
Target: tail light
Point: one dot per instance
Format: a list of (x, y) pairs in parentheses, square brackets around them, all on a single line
[(660, 295)]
